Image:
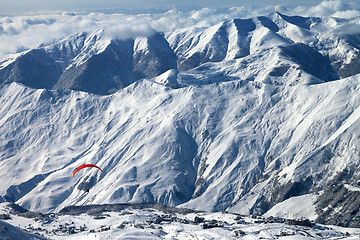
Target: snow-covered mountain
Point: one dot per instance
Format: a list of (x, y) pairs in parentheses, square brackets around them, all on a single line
[(91, 62), (283, 45), (247, 116)]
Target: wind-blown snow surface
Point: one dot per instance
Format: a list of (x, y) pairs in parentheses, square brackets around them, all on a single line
[(238, 116), (207, 146)]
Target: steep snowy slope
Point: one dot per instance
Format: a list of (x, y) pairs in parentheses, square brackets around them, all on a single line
[(240, 116), (212, 146)]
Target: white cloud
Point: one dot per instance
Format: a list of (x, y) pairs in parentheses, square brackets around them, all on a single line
[(347, 14), (126, 31), (351, 28), (336, 8)]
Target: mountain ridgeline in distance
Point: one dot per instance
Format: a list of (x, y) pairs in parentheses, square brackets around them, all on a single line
[(92, 62), (244, 116), (87, 62)]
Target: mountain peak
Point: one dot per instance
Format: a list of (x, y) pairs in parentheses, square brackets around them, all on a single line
[(303, 22), (242, 115), (76, 61)]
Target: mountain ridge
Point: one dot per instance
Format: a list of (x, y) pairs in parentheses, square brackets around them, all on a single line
[(260, 115), (302, 41)]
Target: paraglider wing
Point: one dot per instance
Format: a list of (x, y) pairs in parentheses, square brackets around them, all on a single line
[(85, 166)]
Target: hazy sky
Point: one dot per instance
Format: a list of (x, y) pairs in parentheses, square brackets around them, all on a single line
[(21, 6)]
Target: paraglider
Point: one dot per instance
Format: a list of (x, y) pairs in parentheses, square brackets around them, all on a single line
[(85, 166), (85, 185)]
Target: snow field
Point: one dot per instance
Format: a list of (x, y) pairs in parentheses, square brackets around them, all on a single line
[(153, 224)]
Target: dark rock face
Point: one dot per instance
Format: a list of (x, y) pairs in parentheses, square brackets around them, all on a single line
[(158, 59), (35, 69), (303, 22), (338, 205), (103, 73), (292, 189), (280, 192), (346, 67), (310, 61)]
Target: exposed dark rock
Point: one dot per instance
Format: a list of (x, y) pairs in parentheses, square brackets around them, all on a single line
[(103, 73), (34, 69), (338, 205), (311, 61), (155, 60), (303, 22)]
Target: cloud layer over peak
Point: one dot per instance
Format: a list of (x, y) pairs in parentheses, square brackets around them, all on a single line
[(19, 33)]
